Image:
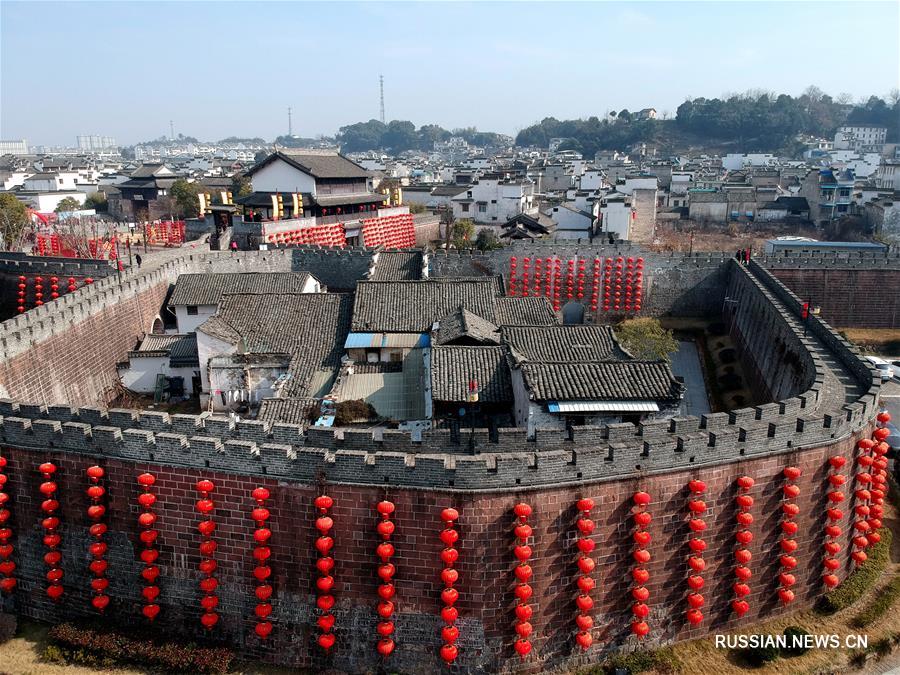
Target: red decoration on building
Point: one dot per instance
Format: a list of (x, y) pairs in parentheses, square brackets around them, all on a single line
[(325, 565), (695, 581), (834, 516), (208, 582), (523, 574), (149, 553), (742, 555), (261, 554), (7, 566), (641, 555), (583, 602), (50, 523), (863, 500), (386, 571), (449, 596), (392, 232), (96, 513), (789, 511), (513, 281)]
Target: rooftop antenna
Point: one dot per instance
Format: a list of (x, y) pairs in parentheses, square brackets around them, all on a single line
[(172, 130), (290, 128), (381, 86)]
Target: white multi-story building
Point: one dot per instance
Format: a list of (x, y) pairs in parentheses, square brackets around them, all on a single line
[(14, 147), (888, 175), (93, 143), (859, 137), (491, 201)]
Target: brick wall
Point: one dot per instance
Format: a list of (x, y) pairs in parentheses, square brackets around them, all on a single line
[(859, 298), (485, 563)]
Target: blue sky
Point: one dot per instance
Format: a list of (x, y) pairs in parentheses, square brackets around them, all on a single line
[(232, 68)]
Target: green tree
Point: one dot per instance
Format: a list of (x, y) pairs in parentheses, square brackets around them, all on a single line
[(13, 221), (68, 204), (184, 195), (417, 208), (646, 339), (96, 201), (400, 136), (487, 240), (240, 186), (462, 233)]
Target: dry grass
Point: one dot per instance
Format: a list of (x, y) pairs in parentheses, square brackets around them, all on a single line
[(875, 340), (723, 238)]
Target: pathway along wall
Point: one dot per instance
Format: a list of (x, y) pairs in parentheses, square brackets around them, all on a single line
[(486, 558)]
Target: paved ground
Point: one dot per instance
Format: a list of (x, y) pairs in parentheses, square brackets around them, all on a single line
[(686, 365)]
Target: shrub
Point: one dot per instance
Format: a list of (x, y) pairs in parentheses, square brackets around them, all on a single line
[(102, 648), (792, 650), (661, 660), (859, 580), (348, 412), (880, 604), (757, 657)]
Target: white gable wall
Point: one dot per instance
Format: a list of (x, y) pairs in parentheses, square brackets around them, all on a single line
[(279, 176)]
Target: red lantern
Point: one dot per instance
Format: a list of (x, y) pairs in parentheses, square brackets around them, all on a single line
[(261, 553), (98, 549), (51, 540), (743, 537), (208, 546), (324, 564), (7, 567), (523, 591)]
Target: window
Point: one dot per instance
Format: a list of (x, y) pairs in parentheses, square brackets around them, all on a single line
[(482, 208), (465, 208), (192, 310)]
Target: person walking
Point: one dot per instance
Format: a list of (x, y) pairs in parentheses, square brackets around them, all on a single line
[(137, 259)]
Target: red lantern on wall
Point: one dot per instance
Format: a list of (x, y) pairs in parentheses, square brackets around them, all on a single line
[(208, 582), (96, 512), (324, 566), (640, 574), (149, 553), (696, 511), (449, 576), (261, 555), (583, 620), (386, 571), (523, 552), (52, 540), (743, 536), (789, 511), (7, 566)]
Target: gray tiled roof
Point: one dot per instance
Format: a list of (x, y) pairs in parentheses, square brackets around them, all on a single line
[(414, 306), (338, 269), (288, 410), (564, 343), (310, 327), (398, 266), (463, 324), (452, 367), (207, 289), (182, 349), (602, 381), (530, 311), (318, 165)]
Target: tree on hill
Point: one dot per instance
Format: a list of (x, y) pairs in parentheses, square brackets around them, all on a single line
[(14, 222), (184, 196), (646, 339), (68, 204)]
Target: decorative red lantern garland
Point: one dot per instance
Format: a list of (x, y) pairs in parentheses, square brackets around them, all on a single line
[(325, 564), (834, 516), (513, 265), (789, 511), (7, 566), (449, 596), (696, 508), (208, 565), (742, 555), (523, 574), (51, 539), (639, 573), (526, 268), (583, 601), (23, 285), (96, 512), (863, 497), (386, 571), (879, 477), (149, 554), (262, 571)]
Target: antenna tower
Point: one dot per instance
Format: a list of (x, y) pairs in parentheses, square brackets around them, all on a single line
[(381, 86)]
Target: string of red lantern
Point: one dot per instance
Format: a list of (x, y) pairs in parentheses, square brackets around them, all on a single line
[(583, 601), (23, 285), (526, 268), (834, 516), (557, 283), (386, 571), (879, 476), (51, 524), (639, 573), (595, 285), (449, 576), (207, 566), (325, 565), (548, 277), (54, 287), (38, 291), (696, 510), (523, 574), (513, 264), (96, 512), (789, 511), (538, 264), (149, 553), (261, 554), (862, 496), (570, 279), (742, 555), (7, 566), (580, 280)]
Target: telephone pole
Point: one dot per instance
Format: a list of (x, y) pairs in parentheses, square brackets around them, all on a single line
[(290, 127), (172, 130), (381, 86)]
